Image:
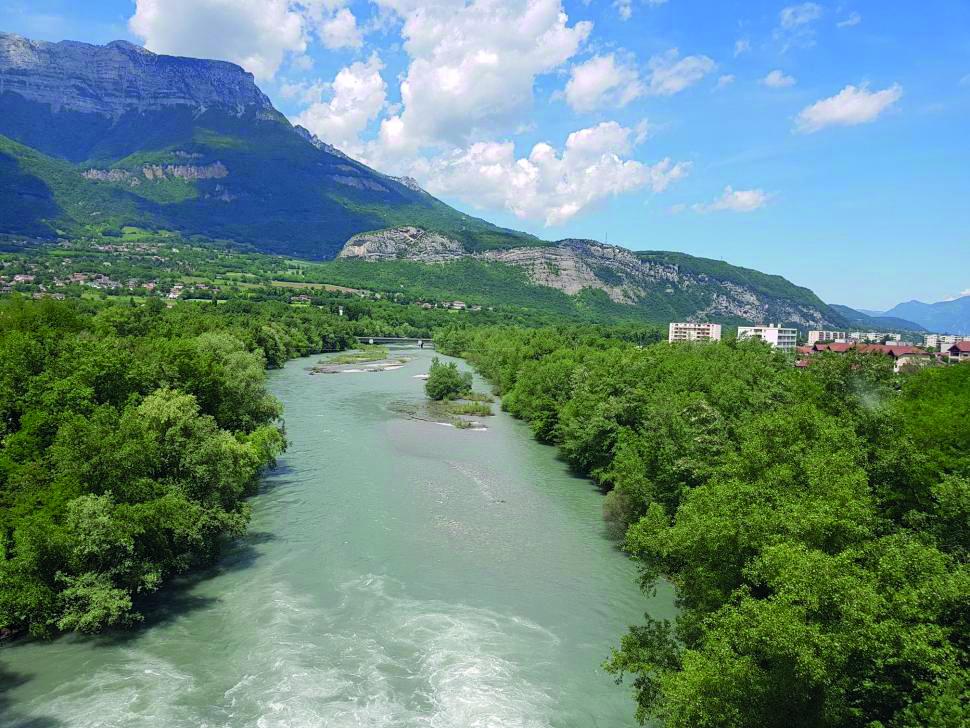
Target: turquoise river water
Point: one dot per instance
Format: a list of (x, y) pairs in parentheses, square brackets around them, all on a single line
[(397, 572)]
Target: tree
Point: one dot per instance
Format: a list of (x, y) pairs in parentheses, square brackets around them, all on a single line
[(446, 382)]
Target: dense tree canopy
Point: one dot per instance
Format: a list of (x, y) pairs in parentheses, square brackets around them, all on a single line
[(814, 523), (129, 438)]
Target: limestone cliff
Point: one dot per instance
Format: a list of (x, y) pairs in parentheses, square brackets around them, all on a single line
[(626, 277), (404, 243), (121, 77)]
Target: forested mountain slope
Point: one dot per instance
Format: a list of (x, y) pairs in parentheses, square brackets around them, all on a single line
[(661, 286), (98, 137)]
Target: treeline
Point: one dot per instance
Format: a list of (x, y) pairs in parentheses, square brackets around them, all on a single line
[(814, 522), (129, 439)]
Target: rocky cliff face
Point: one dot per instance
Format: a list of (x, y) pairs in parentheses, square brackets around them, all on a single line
[(574, 265), (156, 172), (404, 243), (122, 77)]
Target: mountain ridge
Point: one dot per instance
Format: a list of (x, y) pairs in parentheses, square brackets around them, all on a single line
[(68, 108), (947, 317), (865, 320), (674, 285), (94, 139)]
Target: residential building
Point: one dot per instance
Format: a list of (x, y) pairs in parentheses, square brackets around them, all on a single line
[(874, 337), (960, 352), (816, 336), (942, 342), (773, 334), (902, 356), (688, 331)]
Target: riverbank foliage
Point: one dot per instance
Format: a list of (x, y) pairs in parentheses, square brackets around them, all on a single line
[(129, 439), (814, 522), (445, 382)]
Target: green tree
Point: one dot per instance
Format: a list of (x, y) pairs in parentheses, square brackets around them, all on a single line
[(446, 382)]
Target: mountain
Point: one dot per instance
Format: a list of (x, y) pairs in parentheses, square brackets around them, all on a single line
[(95, 138), (945, 317), (98, 139), (863, 319), (663, 286)]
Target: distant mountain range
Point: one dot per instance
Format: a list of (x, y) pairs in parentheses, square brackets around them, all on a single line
[(945, 317), (875, 321), (97, 138)]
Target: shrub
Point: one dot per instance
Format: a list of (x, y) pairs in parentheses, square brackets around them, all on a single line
[(446, 382)]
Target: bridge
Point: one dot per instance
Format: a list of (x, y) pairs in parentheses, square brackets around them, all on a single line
[(396, 341)]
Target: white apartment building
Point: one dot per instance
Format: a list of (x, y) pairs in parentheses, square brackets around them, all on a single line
[(688, 331), (838, 337), (874, 337), (773, 334), (942, 342)]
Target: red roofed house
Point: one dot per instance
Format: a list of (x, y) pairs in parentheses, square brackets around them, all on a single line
[(902, 355), (960, 351)]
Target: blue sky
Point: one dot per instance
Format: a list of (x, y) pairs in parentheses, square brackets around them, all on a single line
[(824, 141)]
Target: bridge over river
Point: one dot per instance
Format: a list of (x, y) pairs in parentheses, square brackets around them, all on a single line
[(396, 341)]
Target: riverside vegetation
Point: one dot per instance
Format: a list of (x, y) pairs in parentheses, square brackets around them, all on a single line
[(130, 436), (814, 523)]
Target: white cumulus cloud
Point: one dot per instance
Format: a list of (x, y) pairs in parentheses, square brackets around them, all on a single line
[(341, 31), (736, 201), (777, 79), (726, 80), (473, 65), (548, 185), (742, 45), (256, 34), (602, 80), (332, 21), (795, 15), (671, 74), (358, 95), (851, 106)]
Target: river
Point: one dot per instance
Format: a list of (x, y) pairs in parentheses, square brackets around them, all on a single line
[(397, 572)]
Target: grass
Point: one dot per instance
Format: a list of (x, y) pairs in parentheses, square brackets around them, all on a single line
[(479, 397), (362, 355), (475, 409)]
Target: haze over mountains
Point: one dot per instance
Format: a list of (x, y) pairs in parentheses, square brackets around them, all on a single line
[(951, 317), (96, 138)]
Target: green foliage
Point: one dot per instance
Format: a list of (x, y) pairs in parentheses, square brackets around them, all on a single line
[(365, 353), (130, 437), (445, 382), (813, 522), (477, 409), (282, 194)]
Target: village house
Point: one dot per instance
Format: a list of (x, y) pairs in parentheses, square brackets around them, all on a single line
[(902, 356), (959, 352)]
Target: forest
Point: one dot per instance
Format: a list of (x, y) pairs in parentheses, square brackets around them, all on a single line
[(813, 522), (131, 436)]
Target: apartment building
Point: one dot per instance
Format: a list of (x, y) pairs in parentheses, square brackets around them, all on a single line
[(874, 337), (837, 336), (942, 342), (773, 334), (687, 331)]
